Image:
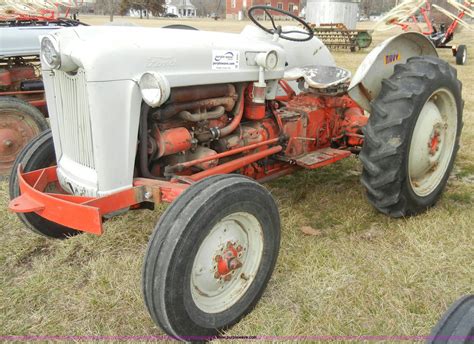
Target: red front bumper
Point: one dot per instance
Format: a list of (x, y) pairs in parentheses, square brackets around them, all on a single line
[(84, 213)]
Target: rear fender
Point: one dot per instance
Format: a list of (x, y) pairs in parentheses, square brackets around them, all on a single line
[(380, 63)]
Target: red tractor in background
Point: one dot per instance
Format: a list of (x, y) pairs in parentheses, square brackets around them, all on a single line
[(23, 109)]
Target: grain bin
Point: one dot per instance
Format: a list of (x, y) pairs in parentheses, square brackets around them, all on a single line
[(333, 11)]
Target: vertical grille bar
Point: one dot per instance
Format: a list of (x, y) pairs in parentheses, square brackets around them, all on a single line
[(74, 117)]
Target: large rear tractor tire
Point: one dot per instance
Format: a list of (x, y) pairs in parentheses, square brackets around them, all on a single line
[(412, 137), (19, 123), (38, 153), (211, 256)]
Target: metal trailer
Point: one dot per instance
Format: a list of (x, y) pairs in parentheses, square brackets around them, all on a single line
[(338, 36)]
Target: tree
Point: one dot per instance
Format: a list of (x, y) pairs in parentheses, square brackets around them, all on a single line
[(376, 7), (155, 7)]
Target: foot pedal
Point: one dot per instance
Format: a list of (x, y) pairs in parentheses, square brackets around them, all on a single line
[(321, 157)]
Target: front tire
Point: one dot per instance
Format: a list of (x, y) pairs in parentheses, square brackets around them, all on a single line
[(412, 137), (456, 325), (210, 256), (461, 55), (37, 154)]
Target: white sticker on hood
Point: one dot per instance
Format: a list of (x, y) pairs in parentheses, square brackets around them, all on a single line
[(225, 59)]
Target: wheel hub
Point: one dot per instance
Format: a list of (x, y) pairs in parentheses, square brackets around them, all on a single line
[(8, 138), (434, 142), (228, 262)]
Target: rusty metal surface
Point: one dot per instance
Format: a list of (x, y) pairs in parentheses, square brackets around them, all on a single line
[(172, 109), (193, 93), (16, 130), (321, 158)]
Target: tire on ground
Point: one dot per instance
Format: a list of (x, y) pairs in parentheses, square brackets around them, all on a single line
[(389, 134), (456, 324), (169, 286), (38, 153), (461, 55)]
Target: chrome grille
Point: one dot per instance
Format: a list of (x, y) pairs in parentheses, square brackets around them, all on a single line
[(73, 116)]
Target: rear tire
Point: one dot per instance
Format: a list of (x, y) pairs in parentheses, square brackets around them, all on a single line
[(39, 153), (412, 137), (185, 289), (19, 123), (461, 55)]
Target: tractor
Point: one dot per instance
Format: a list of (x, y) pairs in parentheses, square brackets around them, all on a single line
[(199, 120), (23, 109)]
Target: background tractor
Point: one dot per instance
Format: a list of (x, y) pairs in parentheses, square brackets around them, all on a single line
[(199, 119), (22, 102)]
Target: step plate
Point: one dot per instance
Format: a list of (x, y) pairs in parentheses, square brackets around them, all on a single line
[(321, 157)]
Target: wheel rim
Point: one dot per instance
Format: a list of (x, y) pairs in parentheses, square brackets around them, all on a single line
[(464, 56), (227, 262), (16, 130), (432, 143)]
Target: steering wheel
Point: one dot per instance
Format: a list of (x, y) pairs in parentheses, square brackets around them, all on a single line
[(277, 29)]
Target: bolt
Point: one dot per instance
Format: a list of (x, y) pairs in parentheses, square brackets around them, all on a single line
[(8, 143), (216, 275), (148, 195)]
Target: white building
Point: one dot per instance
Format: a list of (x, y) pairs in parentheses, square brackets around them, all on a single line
[(181, 8)]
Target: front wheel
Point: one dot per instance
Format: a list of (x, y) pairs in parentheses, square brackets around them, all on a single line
[(412, 137), (38, 153), (211, 256), (461, 55)]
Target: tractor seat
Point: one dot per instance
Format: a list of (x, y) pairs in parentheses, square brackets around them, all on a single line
[(319, 77)]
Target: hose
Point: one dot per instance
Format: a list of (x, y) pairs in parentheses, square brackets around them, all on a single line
[(143, 146), (237, 113)]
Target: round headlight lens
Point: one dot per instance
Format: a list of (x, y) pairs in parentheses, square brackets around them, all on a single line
[(50, 54), (155, 88)]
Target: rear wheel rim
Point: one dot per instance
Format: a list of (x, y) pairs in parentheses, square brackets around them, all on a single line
[(213, 291), (16, 130), (432, 143)]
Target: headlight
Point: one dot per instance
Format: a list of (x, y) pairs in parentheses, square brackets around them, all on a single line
[(155, 88), (50, 53), (267, 60)]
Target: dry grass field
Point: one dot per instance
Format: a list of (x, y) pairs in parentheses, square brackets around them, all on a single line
[(364, 274)]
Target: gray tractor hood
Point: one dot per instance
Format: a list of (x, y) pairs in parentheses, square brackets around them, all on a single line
[(22, 41)]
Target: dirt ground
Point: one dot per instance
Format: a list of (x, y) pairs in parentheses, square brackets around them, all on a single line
[(364, 274)]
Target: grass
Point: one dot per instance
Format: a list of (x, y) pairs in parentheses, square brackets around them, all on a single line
[(366, 274)]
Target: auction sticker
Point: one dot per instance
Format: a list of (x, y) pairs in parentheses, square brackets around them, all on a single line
[(225, 59)]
